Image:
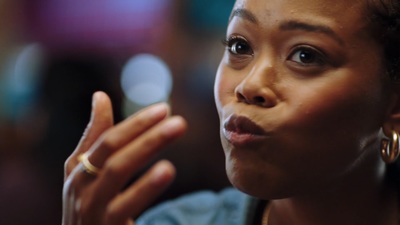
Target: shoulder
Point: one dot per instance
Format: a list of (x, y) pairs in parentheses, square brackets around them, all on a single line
[(206, 207)]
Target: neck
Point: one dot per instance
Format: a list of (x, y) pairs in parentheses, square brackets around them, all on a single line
[(361, 197)]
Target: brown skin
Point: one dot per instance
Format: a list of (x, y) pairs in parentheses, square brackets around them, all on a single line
[(310, 75), (120, 151), (322, 118)]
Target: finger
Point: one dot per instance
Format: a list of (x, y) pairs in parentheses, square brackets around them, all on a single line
[(126, 162), (100, 189), (120, 135), (100, 120), (113, 138), (139, 196)]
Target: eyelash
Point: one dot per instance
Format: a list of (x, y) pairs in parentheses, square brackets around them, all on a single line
[(317, 57), (233, 49)]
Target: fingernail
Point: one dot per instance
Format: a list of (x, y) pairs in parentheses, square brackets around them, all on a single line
[(94, 100), (157, 110), (172, 126), (162, 173)]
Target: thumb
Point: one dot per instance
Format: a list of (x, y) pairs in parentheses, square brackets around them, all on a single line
[(101, 119)]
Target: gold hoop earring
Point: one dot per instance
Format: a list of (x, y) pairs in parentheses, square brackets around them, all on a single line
[(390, 149)]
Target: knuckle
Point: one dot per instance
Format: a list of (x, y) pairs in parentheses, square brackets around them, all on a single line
[(151, 143), (112, 170), (155, 140), (109, 142), (68, 165), (141, 120)]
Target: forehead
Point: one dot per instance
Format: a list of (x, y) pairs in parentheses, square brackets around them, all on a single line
[(320, 5), (337, 12), (347, 19)]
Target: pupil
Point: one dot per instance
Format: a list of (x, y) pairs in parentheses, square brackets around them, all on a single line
[(241, 48), (307, 57)]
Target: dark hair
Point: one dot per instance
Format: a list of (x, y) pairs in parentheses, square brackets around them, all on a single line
[(386, 23), (385, 18)]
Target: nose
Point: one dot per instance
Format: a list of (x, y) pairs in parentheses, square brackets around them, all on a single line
[(257, 88)]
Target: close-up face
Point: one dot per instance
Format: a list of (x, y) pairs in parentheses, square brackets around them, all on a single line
[(301, 94)]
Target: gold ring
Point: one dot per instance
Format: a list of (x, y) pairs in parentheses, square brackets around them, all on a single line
[(88, 166)]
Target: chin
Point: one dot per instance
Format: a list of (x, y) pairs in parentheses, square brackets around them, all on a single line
[(263, 183), (247, 180), (248, 186)]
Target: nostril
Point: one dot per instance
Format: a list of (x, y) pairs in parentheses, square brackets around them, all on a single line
[(240, 97), (258, 100), (262, 98)]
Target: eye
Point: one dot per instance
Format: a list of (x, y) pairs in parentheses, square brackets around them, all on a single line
[(307, 56), (238, 45)]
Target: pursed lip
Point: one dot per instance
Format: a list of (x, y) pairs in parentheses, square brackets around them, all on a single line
[(240, 131)]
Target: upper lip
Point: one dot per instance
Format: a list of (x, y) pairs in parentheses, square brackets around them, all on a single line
[(243, 125)]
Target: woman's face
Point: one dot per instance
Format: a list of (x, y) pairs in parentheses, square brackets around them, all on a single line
[(300, 93)]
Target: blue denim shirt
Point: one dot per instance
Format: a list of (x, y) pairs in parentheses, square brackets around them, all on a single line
[(228, 207)]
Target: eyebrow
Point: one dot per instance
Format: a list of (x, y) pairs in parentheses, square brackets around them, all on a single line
[(245, 14), (289, 25), (296, 25)]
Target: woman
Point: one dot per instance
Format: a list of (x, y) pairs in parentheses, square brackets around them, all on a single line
[(310, 114)]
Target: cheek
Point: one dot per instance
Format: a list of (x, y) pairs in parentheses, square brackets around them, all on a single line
[(341, 98), (332, 122), (224, 86), (336, 107)]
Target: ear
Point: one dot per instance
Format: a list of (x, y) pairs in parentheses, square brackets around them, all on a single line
[(392, 120)]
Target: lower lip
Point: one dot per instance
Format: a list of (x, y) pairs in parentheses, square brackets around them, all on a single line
[(241, 139)]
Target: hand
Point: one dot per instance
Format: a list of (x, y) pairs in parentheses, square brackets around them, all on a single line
[(119, 152)]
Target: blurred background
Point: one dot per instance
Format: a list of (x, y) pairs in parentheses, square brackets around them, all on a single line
[(55, 53)]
